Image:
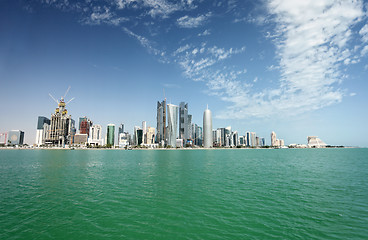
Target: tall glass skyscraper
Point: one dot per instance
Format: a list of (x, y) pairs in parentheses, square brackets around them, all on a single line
[(184, 121), (110, 134), (161, 122), (172, 124)]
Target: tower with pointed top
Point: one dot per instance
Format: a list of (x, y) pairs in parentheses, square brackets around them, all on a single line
[(207, 129)]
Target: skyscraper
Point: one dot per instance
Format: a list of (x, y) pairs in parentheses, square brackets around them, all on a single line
[(42, 127), (207, 129), (172, 124), (110, 134), (184, 121), (144, 128), (273, 139), (253, 139), (84, 125), (161, 122), (247, 138), (62, 126), (121, 128)]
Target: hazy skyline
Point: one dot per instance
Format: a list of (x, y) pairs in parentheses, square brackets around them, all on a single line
[(298, 68)]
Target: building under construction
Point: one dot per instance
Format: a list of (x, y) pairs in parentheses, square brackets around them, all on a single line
[(62, 126)]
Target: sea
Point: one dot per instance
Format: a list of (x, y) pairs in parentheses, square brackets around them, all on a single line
[(184, 194)]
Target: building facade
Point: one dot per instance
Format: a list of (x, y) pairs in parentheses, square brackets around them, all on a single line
[(172, 124), (161, 122), (110, 134), (207, 129), (15, 137)]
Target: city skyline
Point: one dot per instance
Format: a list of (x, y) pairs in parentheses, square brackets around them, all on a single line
[(245, 59)]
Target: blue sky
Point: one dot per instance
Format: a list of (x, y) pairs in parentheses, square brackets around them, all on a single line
[(298, 68)]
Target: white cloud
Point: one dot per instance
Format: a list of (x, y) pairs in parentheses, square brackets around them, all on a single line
[(364, 33), (145, 43), (311, 48), (205, 33), (192, 22)]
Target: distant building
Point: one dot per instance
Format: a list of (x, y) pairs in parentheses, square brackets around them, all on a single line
[(184, 122), (121, 128), (172, 124), (43, 125), (95, 136), (262, 142), (247, 138), (207, 129), (144, 131), (315, 142), (150, 135), (253, 139), (161, 122), (84, 125), (62, 126), (15, 137), (80, 139), (110, 134), (273, 139), (124, 139)]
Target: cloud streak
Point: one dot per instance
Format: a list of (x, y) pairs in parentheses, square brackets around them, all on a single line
[(312, 45)]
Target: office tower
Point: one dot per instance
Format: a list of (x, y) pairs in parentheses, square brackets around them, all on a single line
[(124, 139), (62, 126), (189, 125), (241, 140), (84, 125), (247, 137), (110, 134), (253, 139), (207, 129), (95, 135), (257, 142), (121, 128), (273, 139), (15, 137), (184, 121), (172, 124), (235, 139), (227, 132), (263, 142), (198, 135), (282, 143), (161, 122), (42, 127), (150, 135), (144, 130), (218, 137), (214, 137)]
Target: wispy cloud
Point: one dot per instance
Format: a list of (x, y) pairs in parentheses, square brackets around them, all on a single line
[(192, 22), (311, 48), (144, 42), (102, 15)]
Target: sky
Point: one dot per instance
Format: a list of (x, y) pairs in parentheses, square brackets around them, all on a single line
[(298, 68)]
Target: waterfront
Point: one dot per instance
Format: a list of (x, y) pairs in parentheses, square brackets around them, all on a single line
[(203, 194)]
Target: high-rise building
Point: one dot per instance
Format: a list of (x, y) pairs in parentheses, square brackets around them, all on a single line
[(263, 142), (84, 125), (124, 139), (235, 139), (253, 139), (161, 122), (273, 139), (172, 124), (42, 127), (62, 126), (247, 138), (218, 137), (189, 125), (95, 135), (15, 137), (184, 121), (144, 129), (121, 128), (150, 135), (198, 135), (110, 134), (207, 129)]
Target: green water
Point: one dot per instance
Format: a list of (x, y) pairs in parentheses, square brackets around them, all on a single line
[(184, 194)]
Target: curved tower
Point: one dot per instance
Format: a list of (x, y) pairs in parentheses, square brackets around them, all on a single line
[(207, 129)]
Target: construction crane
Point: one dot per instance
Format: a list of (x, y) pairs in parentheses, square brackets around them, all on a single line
[(61, 103)]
